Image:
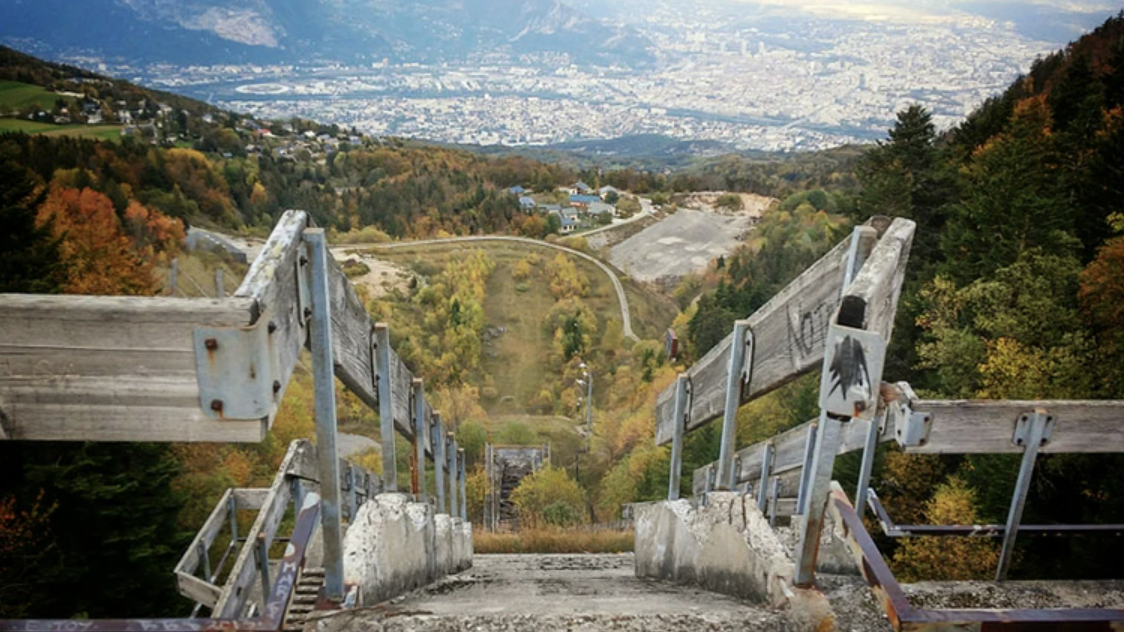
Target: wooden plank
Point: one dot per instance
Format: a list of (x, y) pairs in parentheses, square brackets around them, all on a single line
[(789, 333), (197, 590), (788, 456), (979, 426), (352, 329), (232, 602), (272, 285), (110, 368), (250, 498)]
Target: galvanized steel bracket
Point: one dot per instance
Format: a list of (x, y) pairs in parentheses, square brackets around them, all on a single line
[(1026, 421), (236, 369), (911, 428), (373, 348), (304, 284)]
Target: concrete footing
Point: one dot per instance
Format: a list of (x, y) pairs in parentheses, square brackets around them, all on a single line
[(726, 546), (395, 545)]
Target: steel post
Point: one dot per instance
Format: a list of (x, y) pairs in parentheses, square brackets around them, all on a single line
[(421, 427), (775, 495), (298, 493), (233, 519), (464, 483), (436, 434), (324, 392), (352, 482), (868, 461), (386, 408), (1035, 436), (743, 338), (766, 468), (819, 487), (806, 471), (261, 550), (220, 289), (682, 394), (451, 457), (205, 557)]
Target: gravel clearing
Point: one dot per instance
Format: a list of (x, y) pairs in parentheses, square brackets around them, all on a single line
[(680, 244)]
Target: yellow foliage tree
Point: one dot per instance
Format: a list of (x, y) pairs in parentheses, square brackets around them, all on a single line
[(548, 493), (947, 558)]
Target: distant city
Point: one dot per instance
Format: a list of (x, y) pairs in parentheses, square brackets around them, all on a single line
[(753, 84)]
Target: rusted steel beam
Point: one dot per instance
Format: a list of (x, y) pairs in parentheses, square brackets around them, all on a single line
[(271, 619), (905, 618), (874, 569)]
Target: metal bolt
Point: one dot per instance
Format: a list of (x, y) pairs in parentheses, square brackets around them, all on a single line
[(308, 312), (272, 327), (276, 387), (216, 405), (211, 344), (304, 260)]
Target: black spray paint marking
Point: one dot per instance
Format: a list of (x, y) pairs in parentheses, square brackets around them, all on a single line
[(848, 367)]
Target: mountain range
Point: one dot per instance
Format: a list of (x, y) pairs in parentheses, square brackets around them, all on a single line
[(313, 31)]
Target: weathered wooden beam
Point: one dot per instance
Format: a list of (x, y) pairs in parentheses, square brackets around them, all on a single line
[(789, 333), (111, 368), (197, 590), (788, 455), (984, 426)]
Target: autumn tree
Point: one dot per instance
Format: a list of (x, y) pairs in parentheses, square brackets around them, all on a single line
[(549, 497), (98, 256)]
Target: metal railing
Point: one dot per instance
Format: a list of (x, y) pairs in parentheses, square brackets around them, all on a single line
[(838, 315)]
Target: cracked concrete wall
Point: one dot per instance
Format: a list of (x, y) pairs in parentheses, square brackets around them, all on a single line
[(396, 545), (726, 546)]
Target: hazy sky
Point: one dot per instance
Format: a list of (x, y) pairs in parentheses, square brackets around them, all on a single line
[(938, 9)]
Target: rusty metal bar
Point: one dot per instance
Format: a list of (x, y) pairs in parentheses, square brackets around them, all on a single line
[(270, 620), (905, 618)]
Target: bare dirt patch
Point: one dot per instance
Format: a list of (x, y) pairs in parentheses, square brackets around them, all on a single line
[(383, 278)]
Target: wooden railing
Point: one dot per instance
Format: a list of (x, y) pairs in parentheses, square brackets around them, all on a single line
[(96, 368)]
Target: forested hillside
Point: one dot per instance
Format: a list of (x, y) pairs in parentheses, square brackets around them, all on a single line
[(1015, 291)]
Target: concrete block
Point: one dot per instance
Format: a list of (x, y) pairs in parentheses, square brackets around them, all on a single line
[(726, 546), (389, 547), (460, 548), (468, 546), (443, 540)]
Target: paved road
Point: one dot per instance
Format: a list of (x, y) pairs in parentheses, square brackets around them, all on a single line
[(558, 592), (645, 211), (349, 444), (626, 318)]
